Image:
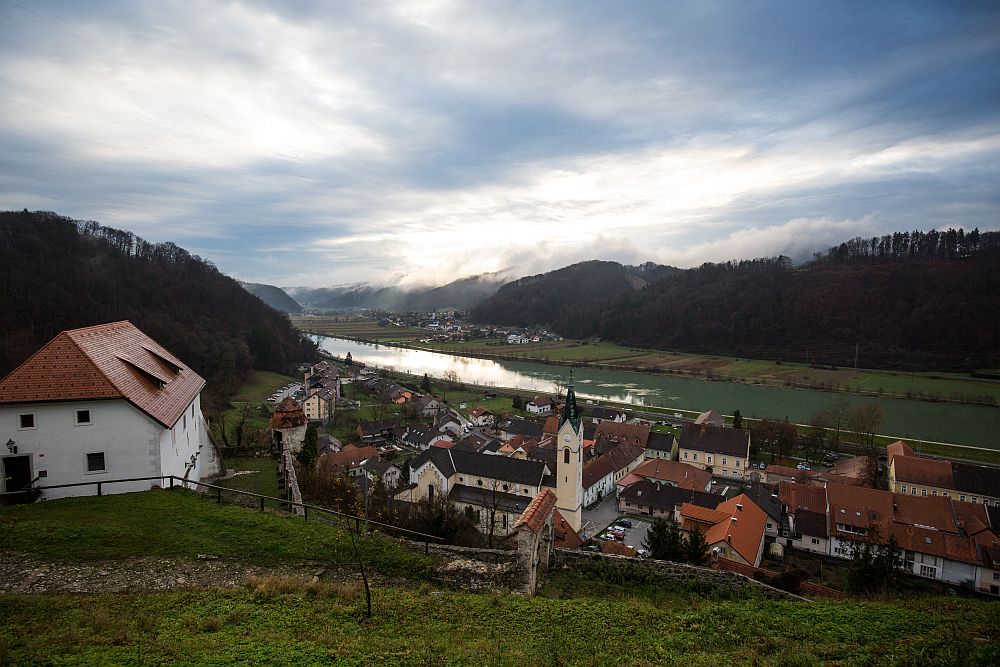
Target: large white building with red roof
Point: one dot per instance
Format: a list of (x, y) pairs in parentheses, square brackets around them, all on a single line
[(97, 404)]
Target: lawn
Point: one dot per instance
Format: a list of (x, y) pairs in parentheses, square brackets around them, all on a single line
[(260, 476), (185, 524), (594, 624), (255, 392)]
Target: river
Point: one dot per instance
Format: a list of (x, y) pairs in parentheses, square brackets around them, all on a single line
[(976, 426)]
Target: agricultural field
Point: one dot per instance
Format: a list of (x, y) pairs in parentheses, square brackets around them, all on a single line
[(928, 385)]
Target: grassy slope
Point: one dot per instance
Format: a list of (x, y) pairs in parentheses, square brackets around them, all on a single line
[(181, 523), (418, 626), (577, 620)]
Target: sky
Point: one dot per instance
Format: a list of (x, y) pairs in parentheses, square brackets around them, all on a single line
[(311, 143)]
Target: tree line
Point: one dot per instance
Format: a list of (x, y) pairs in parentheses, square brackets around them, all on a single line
[(57, 274)]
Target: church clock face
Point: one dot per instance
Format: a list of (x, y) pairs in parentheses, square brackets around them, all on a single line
[(566, 437)]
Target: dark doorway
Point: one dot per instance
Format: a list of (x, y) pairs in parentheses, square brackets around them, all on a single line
[(16, 473)]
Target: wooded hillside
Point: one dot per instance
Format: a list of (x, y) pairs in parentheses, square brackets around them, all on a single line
[(58, 274), (909, 300)]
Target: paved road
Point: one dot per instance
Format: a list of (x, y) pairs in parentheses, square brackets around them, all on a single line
[(599, 518)]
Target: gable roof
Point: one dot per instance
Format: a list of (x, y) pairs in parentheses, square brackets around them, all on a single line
[(740, 524), (931, 472), (898, 448), (972, 478), (810, 523), (490, 466), (715, 439), (633, 434), (666, 497), (288, 414), (537, 512), (348, 457), (710, 417), (489, 498), (565, 537), (679, 474), (660, 442), (108, 361)]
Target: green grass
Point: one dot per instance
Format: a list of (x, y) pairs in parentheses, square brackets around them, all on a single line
[(318, 624), (184, 524), (262, 480), (260, 386)]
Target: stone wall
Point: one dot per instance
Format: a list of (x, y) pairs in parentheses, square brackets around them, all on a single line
[(477, 569), (639, 570)]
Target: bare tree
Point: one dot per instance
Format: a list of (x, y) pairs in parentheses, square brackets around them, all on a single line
[(865, 421)]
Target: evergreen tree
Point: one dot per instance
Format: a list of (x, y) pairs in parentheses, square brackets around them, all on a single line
[(308, 454), (696, 548), (349, 359), (425, 384), (737, 419), (517, 402), (664, 541)]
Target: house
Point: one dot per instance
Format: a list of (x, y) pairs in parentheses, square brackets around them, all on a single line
[(775, 474), (102, 403), (319, 404), (539, 405), (916, 475), (598, 414), (661, 446), (517, 426), (632, 434), (376, 431), (427, 406), (657, 500), (447, 422), (669, 472), (377, 467), (601, 473), (734, 530), (808, 531), (711, 418), (725, 452), (481, 416), (348, 461), (422, 437)]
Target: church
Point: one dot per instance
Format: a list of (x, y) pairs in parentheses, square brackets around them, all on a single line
[(497, 489)]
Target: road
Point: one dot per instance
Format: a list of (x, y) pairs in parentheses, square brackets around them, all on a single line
[(600, 517)]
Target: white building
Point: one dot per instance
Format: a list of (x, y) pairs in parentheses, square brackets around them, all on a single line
[(97, 404)]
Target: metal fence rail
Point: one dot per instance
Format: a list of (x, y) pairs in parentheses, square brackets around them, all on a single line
[(306, 507)]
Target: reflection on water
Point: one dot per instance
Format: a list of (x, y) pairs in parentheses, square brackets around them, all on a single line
[(971, 425)]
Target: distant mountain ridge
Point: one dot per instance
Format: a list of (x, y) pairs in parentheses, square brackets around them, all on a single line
[(911, 300), (461, 294), (273, 296)]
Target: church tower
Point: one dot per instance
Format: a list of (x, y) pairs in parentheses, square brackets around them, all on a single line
[(569, 463)]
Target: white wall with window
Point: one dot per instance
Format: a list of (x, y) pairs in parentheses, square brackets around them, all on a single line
[(90, 441)]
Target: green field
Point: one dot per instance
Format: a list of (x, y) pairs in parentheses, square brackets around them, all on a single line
[(929, 385)]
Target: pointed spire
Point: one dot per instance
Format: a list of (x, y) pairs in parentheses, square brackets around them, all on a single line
[(570, 412)]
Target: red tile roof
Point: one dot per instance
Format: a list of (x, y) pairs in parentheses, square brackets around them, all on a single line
[(898, 448), (796, 496), (918, 470), (349, 457), (288, 414), (617, 548), (739, 522), (926, 541), (537, 512), (633, 434), (108, 361), (930, 511), (679, 474), (565, 537)]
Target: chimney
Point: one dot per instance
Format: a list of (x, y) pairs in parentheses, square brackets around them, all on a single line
[(739, 506)]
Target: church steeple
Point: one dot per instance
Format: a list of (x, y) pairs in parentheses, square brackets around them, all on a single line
[(570, 412)]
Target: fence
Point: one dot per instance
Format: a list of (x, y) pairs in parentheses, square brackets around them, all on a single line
[(296, 507), (805, 587)]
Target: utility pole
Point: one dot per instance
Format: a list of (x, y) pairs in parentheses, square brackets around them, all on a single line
[(857, 346)]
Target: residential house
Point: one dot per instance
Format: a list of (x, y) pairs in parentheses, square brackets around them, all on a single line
[(598, 414), (661, 446), (631, 434), (669, 472), (650, 499), (483, 417), (517, 426), (725, 452), (734, 530), (916, 475), (539, 405), (427, 406), (424, 436), (601, 474), (97, 404), (319, 404), (377, 431), (711, 418)]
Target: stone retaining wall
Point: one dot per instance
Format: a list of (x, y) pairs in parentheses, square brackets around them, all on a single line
[(477, 569)]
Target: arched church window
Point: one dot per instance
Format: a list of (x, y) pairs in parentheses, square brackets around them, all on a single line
[(566, 455)]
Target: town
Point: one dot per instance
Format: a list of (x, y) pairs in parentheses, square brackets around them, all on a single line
[(600, 479)]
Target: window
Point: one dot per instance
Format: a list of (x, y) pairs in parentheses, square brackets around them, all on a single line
[(962, 498), (933, 493), (95, 462), (566, 455), (815, 540), (685, 454), (902, 489), (928, 571), (737, 463), (725, 462), (695, 456), (82, 417), (505, 487), (996, 576), (923, 492), (479, 482), (26, 420), (709, 459)]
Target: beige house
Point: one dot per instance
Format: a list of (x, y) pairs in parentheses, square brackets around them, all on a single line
[(918, 476), (723, 451)]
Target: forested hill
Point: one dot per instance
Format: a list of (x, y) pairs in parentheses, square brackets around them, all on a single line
[(273, 296), (910, 300), (58, 274)]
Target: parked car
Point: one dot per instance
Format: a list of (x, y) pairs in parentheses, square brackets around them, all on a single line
[(625, 523), (609, 536)]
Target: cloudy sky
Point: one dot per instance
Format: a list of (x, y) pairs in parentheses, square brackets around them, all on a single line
[(319, 143)]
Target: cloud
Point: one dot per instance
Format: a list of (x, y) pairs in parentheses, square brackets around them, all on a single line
[(405, 142)]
